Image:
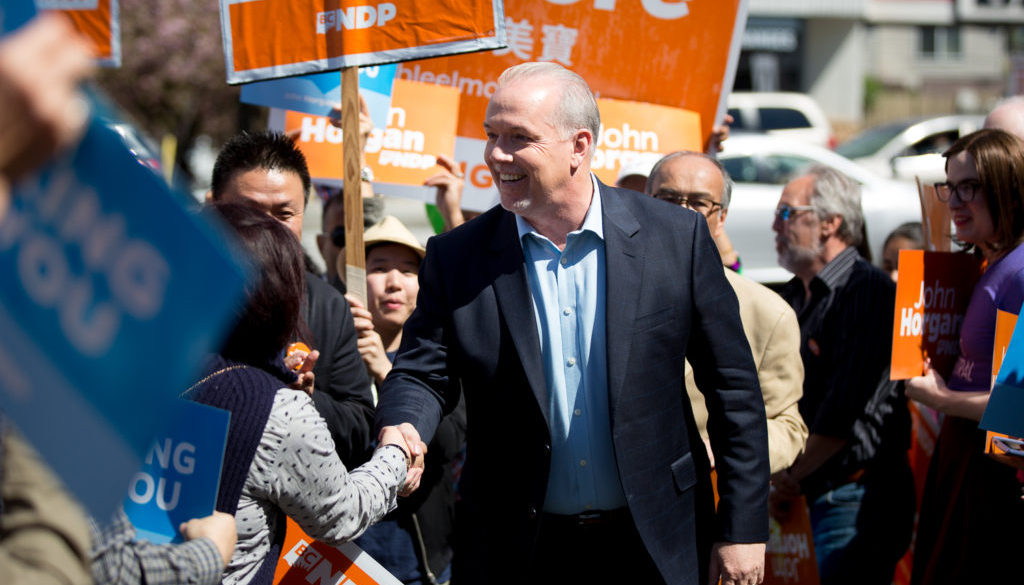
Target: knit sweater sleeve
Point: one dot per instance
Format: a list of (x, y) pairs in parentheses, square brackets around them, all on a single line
[(304, 477)]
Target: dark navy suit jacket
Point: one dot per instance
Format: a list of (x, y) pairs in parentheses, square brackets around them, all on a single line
[(474, 332)]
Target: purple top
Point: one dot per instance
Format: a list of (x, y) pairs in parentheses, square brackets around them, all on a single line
[(1001, 287)]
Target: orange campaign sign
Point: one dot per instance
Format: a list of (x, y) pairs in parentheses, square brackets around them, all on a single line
[(1005, 324), (931, 297), (676, 53), (304, 560), (98, 20), (421, 125), (789, 556), (265, 39)]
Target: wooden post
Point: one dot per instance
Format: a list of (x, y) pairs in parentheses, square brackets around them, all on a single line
[(355, 254)]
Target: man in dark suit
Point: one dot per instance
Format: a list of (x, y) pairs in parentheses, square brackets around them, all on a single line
[(564, 315)]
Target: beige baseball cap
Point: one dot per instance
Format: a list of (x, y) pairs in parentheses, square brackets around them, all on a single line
[(391, 231)]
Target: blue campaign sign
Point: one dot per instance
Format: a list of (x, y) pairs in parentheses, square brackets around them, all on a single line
[(1005, 410), (112, 294), (316, 94), (180, 474)]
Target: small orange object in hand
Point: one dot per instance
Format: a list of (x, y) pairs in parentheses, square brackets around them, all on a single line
[(296, 354)]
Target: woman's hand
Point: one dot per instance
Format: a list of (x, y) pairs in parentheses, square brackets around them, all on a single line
[(369, 343), (930, 389)]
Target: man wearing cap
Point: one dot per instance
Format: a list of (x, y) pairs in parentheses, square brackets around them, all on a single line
[(413, 542)]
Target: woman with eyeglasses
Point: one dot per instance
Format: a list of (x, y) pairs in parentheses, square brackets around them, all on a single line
[(972, 517)]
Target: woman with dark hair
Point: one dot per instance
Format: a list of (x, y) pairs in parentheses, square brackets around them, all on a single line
[(971, 513), (280, 459)]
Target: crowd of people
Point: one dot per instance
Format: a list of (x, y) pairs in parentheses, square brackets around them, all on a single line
[(575, 386)]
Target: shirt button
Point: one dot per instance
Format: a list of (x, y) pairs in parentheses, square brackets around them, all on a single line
[(583, 462), (577, 412), (567, 311), (564, 261), (570, 362)]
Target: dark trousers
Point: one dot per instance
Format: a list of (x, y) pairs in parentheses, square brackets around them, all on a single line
[(606, 549)]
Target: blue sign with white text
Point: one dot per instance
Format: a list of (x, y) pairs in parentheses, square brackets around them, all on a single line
[(180, 474), (112, 295), (317, 93)]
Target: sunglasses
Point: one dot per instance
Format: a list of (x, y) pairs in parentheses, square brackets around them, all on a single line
[(338, 236), (785, 211)]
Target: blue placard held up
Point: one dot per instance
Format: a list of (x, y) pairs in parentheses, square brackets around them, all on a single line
[(180, 474), (317, 93), (111, 295)]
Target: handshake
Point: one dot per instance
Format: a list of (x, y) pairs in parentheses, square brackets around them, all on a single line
[(407, 438)]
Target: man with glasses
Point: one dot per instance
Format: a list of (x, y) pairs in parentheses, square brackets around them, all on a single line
[(699, 182), (854, 470)]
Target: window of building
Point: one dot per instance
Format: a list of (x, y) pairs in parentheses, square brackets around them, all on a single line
[(939, 42)]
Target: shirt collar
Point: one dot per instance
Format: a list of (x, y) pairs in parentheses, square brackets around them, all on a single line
[(836, 272), (593, 221)]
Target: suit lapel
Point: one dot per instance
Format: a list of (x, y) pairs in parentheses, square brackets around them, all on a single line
[(515, 302), (624, 256)]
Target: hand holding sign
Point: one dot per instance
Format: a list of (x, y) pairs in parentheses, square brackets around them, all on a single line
[(218, 527), (41, 107)]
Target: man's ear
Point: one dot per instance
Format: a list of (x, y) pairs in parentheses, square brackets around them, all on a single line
[(209, 196), (321, 243), (830, 226), (582, 147)]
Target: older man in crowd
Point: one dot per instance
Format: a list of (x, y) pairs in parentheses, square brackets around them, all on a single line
[(564, 316), (699, 182), (854, 470)]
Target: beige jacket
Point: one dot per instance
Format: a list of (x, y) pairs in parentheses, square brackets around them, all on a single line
[(44, 535), (773, 333)]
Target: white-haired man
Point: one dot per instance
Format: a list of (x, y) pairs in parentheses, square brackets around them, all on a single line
[(564, 316)]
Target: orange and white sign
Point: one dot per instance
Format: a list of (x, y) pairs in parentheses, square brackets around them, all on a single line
[(98, 20), (931, 297), (421, 125), (304, 561), (265, 39), (1005, 324), (789, 556), (676, 53)]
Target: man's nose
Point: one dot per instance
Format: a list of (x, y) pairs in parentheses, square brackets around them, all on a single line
[(498, 153)]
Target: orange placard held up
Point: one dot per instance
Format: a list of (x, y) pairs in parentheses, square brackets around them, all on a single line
[(265, 39), (421, 125), (675, 53), (97, 20), (633, 130), (789, 557), (304, 561), (931, 297), (1005, 324)]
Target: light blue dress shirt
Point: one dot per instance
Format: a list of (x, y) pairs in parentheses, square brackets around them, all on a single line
[(568, 288)]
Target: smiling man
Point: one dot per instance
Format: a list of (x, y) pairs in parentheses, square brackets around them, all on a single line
[(563, 317)]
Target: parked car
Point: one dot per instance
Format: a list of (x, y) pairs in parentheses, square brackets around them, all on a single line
[(762, 165), (790, 115), (909, 148)]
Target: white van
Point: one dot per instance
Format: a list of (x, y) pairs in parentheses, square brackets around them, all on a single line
[(793, 115)]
